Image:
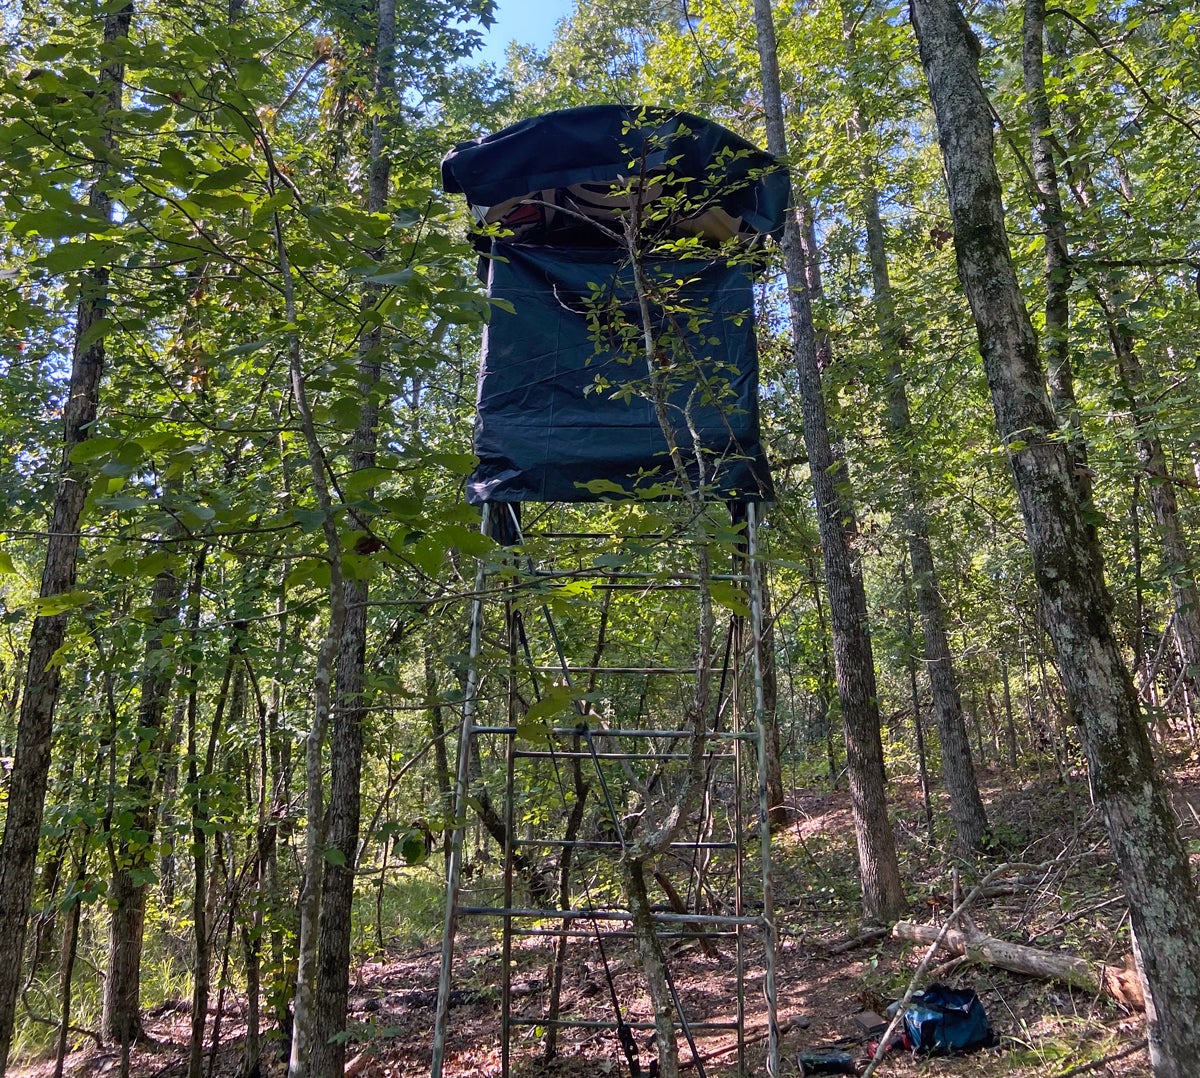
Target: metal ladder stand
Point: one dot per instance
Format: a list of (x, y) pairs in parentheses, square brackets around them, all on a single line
[(571, 718)]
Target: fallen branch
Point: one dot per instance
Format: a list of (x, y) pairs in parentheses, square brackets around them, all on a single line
[(757, 1034), (1096, 1064), (1119, 982)]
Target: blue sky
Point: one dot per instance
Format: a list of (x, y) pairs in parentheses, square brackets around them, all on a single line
[(530, 22)]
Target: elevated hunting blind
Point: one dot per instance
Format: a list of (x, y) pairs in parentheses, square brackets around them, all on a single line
[(564, 412), (619, 246)]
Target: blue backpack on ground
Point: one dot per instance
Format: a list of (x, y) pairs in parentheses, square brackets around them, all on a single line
[(942, 1020)]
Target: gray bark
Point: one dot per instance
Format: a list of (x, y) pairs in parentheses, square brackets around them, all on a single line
[(120, 1021), (854, 669), (35, 726), (958, 770), (303, 1024), (1151, 859), (328, 1055), (1160, 491), (1055, 338), (1160, 483)]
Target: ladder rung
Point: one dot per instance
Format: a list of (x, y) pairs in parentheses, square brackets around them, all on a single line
[(508, 912), (596, 844), (619, 933), (602, 1023), (567, 754), (553, 669)]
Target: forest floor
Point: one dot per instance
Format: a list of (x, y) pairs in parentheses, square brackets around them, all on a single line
[(1062, 897)]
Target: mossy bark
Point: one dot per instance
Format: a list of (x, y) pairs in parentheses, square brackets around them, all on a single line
[(1150, 855)]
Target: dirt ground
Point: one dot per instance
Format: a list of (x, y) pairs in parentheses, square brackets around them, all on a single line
[(1061, 897)]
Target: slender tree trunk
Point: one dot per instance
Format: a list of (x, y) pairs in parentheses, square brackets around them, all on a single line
[(1151, 859), (328, 1051), (121, 1021), (883, 895), (1160, 483), (1160, 492), (918, 722), (35, 726), (303, 1023), (1056, 350), (1010, 726), (958, 770), (777, 810), (441, 758), (202, 893)]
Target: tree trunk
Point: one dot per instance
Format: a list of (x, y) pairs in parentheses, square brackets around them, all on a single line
[(120, 1021), (303, 1023), (883, 895), (441, 758), (328, 1050), (201, 896), (1055, 338), (1160, 491), (966, 806), (35, 726), (654, 966), (1151, 859), (777, 807)]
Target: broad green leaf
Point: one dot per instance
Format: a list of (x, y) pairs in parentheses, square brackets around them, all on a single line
[(309, 519), (94, 449), (533, 725), (730, 597), (413, 848), (60, 604), (365, 479)]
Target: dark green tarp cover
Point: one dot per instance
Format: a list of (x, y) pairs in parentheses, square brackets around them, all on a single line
[(559, 412)]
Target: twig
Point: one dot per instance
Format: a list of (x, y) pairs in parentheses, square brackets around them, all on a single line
[(957, 912), (797, 1022), (1096, 1064), (858, 941)]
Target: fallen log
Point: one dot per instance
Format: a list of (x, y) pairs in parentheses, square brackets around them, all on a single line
[(1119, 982)]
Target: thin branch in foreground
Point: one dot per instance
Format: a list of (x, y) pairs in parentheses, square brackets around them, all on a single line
[(1096, 1064), (955, 914)]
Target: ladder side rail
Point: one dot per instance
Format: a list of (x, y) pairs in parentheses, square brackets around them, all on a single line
[(764, 822), (454, 868)]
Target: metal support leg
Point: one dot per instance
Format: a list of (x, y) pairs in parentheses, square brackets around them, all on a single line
[(764, 820), (454, 869)]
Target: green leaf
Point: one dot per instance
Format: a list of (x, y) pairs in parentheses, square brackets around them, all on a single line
[(309, 570), (532, 726), (250, 74), (394, 277), (309, 519), (412, 847), (82, 254), (94, 449), (52, 605), (175, 163), (365, 479), (602, 486), (6, 565), (730, 597)]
